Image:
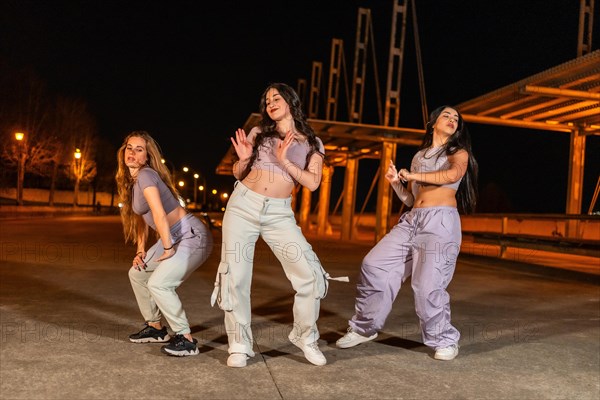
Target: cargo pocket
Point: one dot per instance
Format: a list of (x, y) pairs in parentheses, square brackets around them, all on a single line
[(222, 292)]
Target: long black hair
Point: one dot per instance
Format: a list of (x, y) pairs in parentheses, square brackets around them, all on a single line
[(466, 194), (268, 127)]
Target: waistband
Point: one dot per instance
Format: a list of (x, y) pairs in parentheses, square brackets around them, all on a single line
[(421, 210), (249, 193), (184, 222)]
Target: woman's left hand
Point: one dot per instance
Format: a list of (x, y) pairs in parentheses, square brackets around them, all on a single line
[(282, 148), (167, 254), (404, 175)]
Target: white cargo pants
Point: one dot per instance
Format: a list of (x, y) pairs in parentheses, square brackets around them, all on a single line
[(248, 216), (154, 287)]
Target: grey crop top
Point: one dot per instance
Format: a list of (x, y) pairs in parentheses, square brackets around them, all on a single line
[(145, 178), (429, 160), (267, 160)]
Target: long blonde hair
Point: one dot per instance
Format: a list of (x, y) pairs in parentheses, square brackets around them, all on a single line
[(132, 223)]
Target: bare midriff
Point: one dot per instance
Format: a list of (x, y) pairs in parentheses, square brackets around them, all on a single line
[(174, 216), (435, 196), (269, 183)]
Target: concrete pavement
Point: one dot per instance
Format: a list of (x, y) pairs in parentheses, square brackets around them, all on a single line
[(66, 309)]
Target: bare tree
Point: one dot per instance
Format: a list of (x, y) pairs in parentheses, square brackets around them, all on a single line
[(25, 111), (77, 126)]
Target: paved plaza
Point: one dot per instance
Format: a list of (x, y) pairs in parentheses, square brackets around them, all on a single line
[(66, 310)]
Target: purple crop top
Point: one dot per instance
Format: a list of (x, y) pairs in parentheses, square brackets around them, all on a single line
[(429, 160), (267, 160), (145, 178)]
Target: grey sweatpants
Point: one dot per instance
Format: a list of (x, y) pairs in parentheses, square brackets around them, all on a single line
[(154, 287), (425, 244), (248, 216)]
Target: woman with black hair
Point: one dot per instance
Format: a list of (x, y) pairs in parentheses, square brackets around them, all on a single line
[(425, 243), (279, 153)]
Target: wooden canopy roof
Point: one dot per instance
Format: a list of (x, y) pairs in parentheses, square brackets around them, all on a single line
[(564, 98)]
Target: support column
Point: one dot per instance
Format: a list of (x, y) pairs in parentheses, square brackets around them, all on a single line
[(575, 185), (576, 163), (348, 205), (304, 218), (384, 190), (323, 226)]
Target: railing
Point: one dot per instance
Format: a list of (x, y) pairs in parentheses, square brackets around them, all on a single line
[(574, 234)]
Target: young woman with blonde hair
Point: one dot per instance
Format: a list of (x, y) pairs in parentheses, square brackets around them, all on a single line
[(149, 200)]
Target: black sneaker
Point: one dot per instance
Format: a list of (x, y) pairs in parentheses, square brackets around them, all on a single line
[(150, 335), (180, 346)]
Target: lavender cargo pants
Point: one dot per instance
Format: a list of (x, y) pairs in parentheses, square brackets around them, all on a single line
[(425, 244)]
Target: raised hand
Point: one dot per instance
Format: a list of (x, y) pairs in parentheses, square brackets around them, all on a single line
[(242, 146), (392, 175), (283, 146)]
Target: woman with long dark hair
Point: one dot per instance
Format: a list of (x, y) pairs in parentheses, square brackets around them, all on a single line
[(425, 243), (281, 152), (149, 200)]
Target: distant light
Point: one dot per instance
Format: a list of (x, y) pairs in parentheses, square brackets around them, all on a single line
[(181, 183), (185, 169), (200, 187), (120, 205), (214, 191), (162, 160), (225, 195), (222, 208), (19, 136), (196, 176), (77, 154)]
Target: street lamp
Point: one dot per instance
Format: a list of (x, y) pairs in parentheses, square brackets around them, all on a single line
[(196, 176), (20, 136), (78, 174), (201, 188)]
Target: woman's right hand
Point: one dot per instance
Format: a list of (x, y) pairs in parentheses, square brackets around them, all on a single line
[(392, 174), (242, 146), (138, 261)]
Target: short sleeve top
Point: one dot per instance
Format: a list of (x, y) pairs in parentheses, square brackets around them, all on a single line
[(267, 160), (430, 160), (148, 177)]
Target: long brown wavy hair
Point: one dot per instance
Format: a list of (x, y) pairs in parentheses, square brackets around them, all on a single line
[(268, 127), (133, 223)]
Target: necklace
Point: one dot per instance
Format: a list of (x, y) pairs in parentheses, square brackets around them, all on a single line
[(436, 152)]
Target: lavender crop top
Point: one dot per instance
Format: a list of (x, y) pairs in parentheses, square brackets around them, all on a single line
[(429, 160), (148, 177), (267, 160)]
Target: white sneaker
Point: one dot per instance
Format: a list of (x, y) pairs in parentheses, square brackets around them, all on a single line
[(237, 360), (351, 339), (446, 353), (312, 353)]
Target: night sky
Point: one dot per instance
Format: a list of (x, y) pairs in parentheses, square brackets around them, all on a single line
[(191, 72)]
